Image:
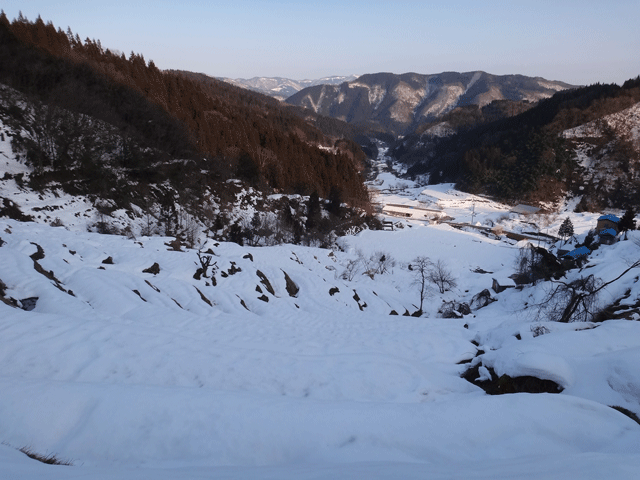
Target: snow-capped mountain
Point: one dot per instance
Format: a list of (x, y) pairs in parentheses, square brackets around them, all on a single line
[(396, 102), (282, 88)]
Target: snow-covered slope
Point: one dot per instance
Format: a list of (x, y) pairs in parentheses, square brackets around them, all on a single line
[(287, 369), (607, 149), (624, 124)]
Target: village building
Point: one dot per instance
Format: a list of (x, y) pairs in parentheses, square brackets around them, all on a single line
[(608, 236), (576, 257), (608, 221)]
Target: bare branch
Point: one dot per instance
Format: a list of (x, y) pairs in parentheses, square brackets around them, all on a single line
[(576, 301)]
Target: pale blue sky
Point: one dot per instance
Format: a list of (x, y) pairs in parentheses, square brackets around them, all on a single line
[(579, 42)]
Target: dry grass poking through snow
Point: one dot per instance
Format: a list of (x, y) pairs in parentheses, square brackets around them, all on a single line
[(50, 459)]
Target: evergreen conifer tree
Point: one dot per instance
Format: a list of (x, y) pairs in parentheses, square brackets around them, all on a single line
[(313, 211), (628, 222), (566, 229)]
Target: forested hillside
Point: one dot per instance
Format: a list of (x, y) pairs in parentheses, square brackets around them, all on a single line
[(239, 133), (525, 156)]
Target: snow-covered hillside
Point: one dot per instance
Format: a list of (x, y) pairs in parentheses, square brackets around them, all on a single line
[(625, 124), (288, 367), (608, 150)]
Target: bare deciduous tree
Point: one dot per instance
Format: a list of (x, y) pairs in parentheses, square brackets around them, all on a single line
[(351, 269), (383, 262), (421, 266), (442, 276)]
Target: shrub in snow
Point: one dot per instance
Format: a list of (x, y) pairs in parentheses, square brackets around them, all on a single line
[(382, 262), (538, 330), (205, 261), (575, 301), (50, 459), (534, 263), (377, 263)]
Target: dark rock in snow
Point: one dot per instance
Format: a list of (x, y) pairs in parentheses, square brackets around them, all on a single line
[(39, 255), (154, 269), (482, 299), (506, 384), (454, 309), (292, 288), (265, 281), (29, 304)]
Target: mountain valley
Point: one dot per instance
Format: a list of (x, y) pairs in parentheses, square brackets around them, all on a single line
[(390, 276)]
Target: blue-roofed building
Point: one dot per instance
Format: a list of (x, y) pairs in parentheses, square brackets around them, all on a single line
[(578, 252), (575, 257), (608, 236), (608, 221)]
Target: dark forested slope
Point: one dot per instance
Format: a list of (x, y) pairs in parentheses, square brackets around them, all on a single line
[(241, 132)]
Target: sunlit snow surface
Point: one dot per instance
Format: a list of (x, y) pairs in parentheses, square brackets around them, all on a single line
[(136, 376)]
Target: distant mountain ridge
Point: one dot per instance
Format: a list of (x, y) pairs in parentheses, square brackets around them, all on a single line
[(396, 103), (282, 88)]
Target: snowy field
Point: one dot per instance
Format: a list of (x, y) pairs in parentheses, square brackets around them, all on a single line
[(133, 375)]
